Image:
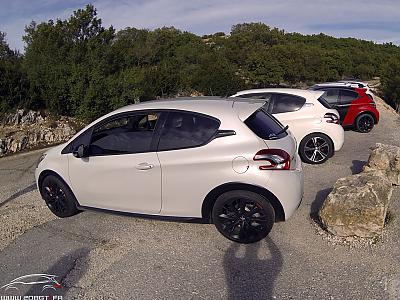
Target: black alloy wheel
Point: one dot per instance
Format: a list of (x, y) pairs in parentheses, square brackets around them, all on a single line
[(315, 149), (365, 123), (58, 197), (243, 217)]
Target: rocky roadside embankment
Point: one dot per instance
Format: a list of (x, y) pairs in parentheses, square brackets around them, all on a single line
[(31, 129), (358, 204)]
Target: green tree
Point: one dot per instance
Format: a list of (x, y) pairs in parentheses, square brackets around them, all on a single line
[(67, 63), (13, 82), (78, 67), (390, 81)]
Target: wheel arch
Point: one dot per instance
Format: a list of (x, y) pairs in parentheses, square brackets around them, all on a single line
[(212, 196), (366, 112), (46, 173)]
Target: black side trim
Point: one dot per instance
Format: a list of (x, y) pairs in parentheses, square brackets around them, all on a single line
[(223, 133), (144, 216)]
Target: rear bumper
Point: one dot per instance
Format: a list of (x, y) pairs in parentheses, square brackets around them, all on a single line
[(290, 197)]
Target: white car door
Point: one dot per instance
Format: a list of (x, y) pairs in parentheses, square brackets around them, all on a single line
[(185, 163), (294, 111), (121, 171)]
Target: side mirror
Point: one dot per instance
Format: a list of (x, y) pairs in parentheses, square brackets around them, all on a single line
[(80, 151)]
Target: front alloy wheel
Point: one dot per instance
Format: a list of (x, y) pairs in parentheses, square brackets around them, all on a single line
[(243, 217), (58, 197)]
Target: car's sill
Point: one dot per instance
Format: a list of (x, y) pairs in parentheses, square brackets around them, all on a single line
[(144, 216)]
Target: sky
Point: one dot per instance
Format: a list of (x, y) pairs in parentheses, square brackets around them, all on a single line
[(377, 20)]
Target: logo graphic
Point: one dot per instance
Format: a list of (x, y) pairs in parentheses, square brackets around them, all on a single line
[(48, 281)]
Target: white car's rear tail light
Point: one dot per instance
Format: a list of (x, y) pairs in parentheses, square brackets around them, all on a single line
[(331, 118), (273, 159)]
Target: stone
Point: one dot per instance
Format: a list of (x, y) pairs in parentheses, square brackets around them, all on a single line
[(27, 129), (23, 143), (13, 145), (29, 118), (387, 159), (357, 205)]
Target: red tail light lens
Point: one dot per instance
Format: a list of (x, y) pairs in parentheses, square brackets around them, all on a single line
[(331, 118), (275, 159)]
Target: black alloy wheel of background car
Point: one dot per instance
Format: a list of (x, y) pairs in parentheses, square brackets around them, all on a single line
[(364, 123)]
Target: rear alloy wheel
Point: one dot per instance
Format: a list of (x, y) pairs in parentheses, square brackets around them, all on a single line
[(316, 148), (365, 123), (243, 217), (58, 197)]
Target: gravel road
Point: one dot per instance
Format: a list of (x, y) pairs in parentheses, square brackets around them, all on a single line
[(105, 256)]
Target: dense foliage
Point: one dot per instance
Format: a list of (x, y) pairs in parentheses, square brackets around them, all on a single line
[(390, 80), (77, 67)]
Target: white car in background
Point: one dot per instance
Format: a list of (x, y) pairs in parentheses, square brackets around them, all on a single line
[(311, 120), (349, 83), (227, 161)]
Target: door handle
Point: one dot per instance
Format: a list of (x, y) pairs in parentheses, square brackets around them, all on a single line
[(144, 166)]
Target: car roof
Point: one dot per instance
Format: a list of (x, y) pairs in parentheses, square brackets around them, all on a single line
[(241, 108), (296, 92), (338, 87), (333, 84), (354, 81), (213, 106)]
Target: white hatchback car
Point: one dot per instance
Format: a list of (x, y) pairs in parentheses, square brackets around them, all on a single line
[(226, 161), (310, 118)]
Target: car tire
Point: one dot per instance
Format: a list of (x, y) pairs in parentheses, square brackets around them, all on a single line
[(58, 197), (242, 216), (316, 148), (365, 123)]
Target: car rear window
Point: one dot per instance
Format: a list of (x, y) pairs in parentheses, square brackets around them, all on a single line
[(265, 125)]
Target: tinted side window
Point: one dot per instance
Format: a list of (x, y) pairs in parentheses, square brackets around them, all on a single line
[(347, 96), (324, 102), (331, 95), (187, 130), (124, 135), (265, 126), (264, 96), (287, 103)]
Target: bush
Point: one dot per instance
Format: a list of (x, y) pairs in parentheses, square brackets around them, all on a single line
[(390, 83)]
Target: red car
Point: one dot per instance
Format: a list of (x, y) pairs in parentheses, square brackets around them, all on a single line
[(355, 107)]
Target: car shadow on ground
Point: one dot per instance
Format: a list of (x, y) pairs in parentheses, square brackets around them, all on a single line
[(247, 275), (19, 193), (357, 166), (62, 268)]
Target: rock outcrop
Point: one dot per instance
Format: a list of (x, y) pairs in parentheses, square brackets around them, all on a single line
[(29, 129), (358, 204), (387, 159)]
